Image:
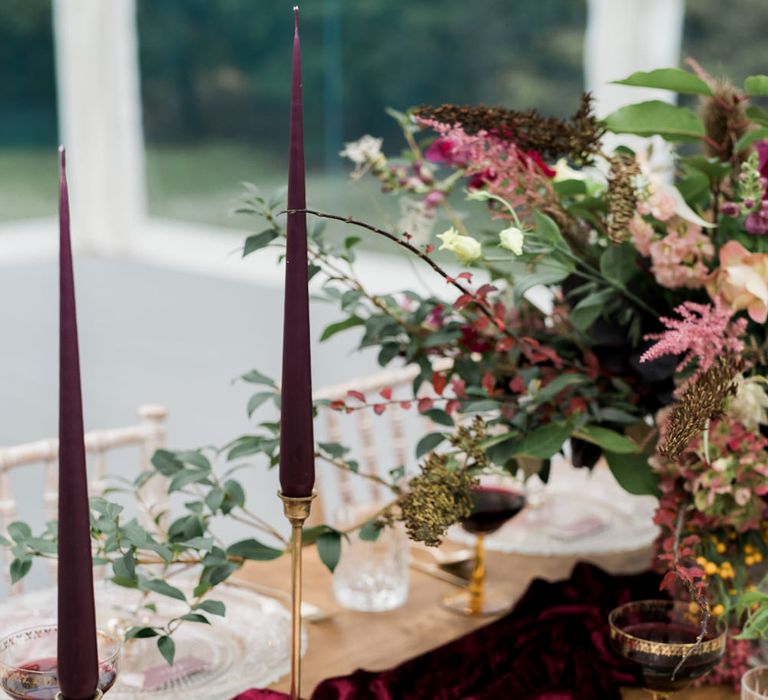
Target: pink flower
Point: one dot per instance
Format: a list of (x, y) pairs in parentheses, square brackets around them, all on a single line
[(704, 332), (677, 260), (757, 222), (742, 280), (433, 199), (642, 235), (441, 150), (661, 205)]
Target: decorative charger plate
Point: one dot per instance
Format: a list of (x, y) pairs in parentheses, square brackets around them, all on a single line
[(249, 648), (578, 513)]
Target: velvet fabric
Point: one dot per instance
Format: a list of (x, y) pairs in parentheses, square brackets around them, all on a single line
[(552, 646)]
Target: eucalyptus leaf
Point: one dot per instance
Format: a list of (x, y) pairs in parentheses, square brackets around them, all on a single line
[(428, 443), (329, 549), (214, 607), (634, 473), (167, 647), (253, 549), (756, 85), (340, 326)]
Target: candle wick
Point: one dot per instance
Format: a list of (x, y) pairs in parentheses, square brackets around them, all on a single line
[(296, 17), (62, 159)]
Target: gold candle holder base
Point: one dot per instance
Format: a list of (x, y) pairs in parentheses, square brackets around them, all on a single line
[(98, 695), (297, 511)]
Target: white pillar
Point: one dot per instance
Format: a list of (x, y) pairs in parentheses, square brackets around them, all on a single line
[(97, 72), (624, 36)]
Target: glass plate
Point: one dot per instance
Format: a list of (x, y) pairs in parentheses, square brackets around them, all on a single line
[(249, 648)]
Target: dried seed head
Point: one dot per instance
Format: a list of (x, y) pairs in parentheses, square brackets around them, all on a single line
[(622, 199), (577, 138)]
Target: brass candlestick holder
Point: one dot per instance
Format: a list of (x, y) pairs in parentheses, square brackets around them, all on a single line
[(297, 510)]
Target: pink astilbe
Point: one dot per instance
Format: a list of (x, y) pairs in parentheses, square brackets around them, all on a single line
[(492, 163), (704, 332)]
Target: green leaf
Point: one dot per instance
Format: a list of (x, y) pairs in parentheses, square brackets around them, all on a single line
[(5, 541), (439, 417), (547, 271), (141, 633), (199, 543), (167, 647), (547, 230), (334, 449), (125, 567), (340, 326), (756, 85), (609, 440), (214, 499), (187, 477), (256, 377), (370, 531), (428, 443), (569, 188), (673, 79), (310, 535), (329, 549), (185, 528), (750, 137), (234, 496), (257, 400), (618, 263), (245, 445), (19, 532), (195, 617), (587, 311), (656, 117), (166, 462), (253, 549), (195, 458), (633, 473), (544, 441), (758, 115), (258, 241), (19, 569), (214, 607), (162, 588), (559, 383), (479, 406)]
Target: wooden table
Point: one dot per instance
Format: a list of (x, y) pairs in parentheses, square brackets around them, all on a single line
[(376, 641)]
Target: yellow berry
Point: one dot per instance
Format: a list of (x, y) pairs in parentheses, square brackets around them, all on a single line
[(693, 607), (758, 557), (749, 560), (718, 610), (720, 547), (710, 568), (701, 561)]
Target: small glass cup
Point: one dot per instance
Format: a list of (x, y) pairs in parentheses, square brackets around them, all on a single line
[(371, 576), (28, 663), (754, 684)]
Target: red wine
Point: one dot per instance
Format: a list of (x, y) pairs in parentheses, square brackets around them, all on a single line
[(492, 507), (39, 680), (658, 669)]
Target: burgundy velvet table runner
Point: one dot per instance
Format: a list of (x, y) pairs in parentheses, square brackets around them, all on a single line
[(552, 646)]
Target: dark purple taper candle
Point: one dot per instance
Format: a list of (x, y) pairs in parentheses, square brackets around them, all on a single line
[(297, 446), (77, 652)]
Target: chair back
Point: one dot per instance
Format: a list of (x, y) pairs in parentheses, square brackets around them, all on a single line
[(148, 435), (378, 443)]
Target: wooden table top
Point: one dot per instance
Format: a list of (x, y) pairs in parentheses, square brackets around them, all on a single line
[(349, 640)]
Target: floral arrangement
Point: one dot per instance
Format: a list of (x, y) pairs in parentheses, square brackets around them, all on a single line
[(594, 303), (652, 348)]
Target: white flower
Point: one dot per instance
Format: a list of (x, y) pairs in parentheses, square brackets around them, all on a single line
[(366, 149), (721, 464), (563, 171), (750, 405), (465, 248), (512, 239)]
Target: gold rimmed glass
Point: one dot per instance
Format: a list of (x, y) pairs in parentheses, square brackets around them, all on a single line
[(496, 500), (28, 663), (660, 638)]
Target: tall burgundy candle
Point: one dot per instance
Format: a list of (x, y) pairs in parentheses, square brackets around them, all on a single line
[(297, 461), (77, 651)]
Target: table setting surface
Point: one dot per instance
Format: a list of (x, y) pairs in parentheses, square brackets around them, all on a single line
[(348, 640)]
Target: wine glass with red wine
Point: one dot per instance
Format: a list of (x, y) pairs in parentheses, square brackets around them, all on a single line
[(495, 501), (661, 638), (28, 663)]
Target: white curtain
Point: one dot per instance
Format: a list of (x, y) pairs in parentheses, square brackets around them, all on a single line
[(97, 74), (624, 36)]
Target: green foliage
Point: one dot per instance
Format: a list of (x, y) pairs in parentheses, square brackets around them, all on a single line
[(672, 79), (656, 118)]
